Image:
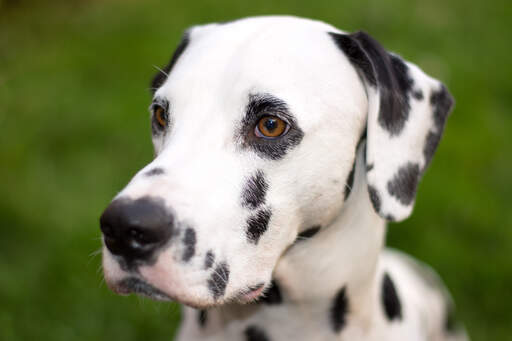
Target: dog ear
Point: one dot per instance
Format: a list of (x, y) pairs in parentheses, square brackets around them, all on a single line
[(407, 111), (161, 76)]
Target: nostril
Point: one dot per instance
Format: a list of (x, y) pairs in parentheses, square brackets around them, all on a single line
[(134, 229)]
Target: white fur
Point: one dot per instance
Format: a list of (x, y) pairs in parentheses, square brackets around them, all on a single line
[(205, 172)]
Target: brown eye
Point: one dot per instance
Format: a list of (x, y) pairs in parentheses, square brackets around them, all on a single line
[(271, 127), (160, 116)]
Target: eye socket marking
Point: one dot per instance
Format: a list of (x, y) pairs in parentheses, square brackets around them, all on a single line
[(268, 127), (271, 127)]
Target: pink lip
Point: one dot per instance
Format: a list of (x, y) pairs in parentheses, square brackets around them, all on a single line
[(253, 294)]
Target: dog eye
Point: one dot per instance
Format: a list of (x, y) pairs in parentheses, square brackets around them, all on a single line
[(271, 127), (160, 116)]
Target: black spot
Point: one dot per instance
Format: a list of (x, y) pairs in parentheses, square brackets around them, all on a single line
[(350, 182), (255, 190), (209, 259), (390, 300), (258, 106), (257, 224), (339, 310), (381, 69), (442, 103), (253, 333), (418, 94), (374, 198), (404, 183), (190, 244), (308, 233), (202, 318), (219, 280), (272, 295), (451, 325), (161, 76), (155, 171), (369, 167), (390, 217)]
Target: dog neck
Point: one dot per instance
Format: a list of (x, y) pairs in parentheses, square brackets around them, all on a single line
[(341, 256)]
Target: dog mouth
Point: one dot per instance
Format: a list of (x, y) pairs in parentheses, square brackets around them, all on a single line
[(138, 286), (134, 285)]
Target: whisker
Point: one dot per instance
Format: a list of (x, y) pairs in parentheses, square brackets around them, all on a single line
[(162, 71)]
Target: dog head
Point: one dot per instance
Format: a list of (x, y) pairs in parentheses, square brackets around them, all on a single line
[(255, 125)]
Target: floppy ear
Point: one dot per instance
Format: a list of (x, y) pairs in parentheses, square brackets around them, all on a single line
[(407, 111)]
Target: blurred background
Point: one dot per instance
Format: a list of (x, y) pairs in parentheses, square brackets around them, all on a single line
[(74, 128)]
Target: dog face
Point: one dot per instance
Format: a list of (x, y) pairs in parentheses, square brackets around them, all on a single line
[(255, 125)]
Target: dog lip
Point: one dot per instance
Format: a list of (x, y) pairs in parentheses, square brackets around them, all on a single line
[(138, 286), (251, 294)]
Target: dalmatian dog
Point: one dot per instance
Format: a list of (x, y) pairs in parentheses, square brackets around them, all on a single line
[(282, 147)]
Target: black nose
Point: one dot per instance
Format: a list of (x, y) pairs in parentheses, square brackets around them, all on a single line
[(134, 229)]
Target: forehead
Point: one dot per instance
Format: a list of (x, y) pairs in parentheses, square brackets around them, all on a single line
[(285, 56)]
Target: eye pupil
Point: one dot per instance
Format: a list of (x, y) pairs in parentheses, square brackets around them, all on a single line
[(271, 127), (271, 124)]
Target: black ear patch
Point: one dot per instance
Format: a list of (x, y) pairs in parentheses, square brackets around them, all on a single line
[(219, 280), (339, 310), (374, 197), (162, 75), (404, 183), (254, 333), (390, 301), (257, 224), (254, 191), (442, 103), (386, 71)]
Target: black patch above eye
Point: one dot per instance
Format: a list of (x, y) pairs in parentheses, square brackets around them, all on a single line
[(255, 190), (390, 300), (159, 79), (261, 105), (257, 224), (404, 183), (339, 310)]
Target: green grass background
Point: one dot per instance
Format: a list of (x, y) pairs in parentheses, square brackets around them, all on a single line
[(74, 79)]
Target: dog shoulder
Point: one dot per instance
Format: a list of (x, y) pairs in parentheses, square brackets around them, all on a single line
[(412, 292)]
